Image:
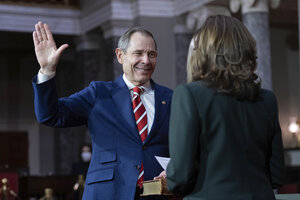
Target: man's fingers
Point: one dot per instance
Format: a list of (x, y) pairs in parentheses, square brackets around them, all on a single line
[(61, 49), (35, 38), (43, 32), (159, 177), (48, 32), (38, 32)]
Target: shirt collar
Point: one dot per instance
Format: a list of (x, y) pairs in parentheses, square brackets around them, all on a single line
[(146, 86)]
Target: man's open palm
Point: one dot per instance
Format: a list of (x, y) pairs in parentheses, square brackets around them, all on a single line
[(45, 48)]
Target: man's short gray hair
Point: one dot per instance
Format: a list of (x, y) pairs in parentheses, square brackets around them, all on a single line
[(124, 40)]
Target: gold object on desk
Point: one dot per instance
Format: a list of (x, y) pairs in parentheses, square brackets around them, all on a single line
[(5, 191), (48, 194), (79, 186), (80, 182), (158, 187)]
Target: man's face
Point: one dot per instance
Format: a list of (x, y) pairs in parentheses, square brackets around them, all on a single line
[(139, 61)]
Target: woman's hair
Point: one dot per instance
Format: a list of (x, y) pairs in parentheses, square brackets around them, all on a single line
[(224, 57)]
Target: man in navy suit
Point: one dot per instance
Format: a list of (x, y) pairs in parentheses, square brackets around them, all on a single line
[(106, 109)]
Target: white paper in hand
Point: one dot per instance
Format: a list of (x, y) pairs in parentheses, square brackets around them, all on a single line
[(163, 161)]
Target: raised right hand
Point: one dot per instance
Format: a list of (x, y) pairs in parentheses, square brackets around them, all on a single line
[(45, 48)]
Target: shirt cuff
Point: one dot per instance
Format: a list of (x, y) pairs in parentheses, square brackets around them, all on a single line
[(41, 78)]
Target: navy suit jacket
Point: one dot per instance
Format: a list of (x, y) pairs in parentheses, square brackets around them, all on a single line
[(118, 151)]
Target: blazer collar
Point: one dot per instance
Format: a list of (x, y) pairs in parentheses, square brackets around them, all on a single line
[(121, 97), (161, 109)]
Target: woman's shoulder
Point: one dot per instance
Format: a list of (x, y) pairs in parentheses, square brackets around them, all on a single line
[(195, 89), (195, 84), (198, 87), (267, 96)]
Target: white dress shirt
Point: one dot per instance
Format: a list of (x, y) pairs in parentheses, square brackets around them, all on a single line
[(41, 78), (147, 97)]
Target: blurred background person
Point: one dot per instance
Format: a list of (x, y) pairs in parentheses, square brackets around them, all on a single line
[(225, 139), (79, 171), (81, 167)]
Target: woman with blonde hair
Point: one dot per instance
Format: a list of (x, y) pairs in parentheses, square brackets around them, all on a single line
[(225, 139)]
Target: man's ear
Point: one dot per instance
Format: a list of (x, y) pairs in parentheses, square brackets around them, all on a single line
[(119, 54)]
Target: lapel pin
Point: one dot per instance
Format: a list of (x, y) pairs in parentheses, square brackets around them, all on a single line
[(163, 102)]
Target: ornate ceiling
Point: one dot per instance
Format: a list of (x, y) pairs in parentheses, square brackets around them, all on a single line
[(285, 15)]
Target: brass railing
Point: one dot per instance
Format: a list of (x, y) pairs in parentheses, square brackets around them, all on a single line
[(60, 3)]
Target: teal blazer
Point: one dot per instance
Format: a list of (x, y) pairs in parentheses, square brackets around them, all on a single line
[(223, 148)]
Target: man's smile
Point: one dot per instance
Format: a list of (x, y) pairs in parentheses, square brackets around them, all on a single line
[(143, 69)]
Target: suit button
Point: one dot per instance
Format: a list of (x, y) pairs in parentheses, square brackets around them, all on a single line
[(144, 147), (138, 167)]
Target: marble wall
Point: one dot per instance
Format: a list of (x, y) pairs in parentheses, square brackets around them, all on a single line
[(182, 42), (286, 78)]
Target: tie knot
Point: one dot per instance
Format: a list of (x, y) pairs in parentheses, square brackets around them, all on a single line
[(137, 90)]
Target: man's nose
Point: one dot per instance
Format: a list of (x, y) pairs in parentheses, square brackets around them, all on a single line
[(146, 59)]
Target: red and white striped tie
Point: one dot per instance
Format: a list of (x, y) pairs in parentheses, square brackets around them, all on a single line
[(140, 116)]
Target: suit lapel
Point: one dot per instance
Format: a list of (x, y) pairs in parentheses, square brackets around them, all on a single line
[(121, 97), (161, 109)]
